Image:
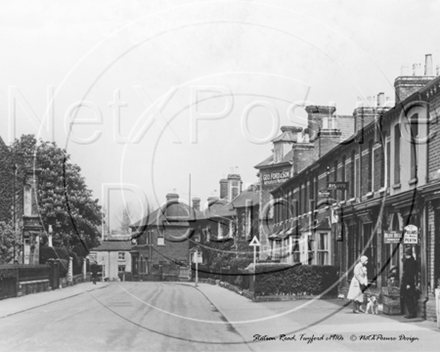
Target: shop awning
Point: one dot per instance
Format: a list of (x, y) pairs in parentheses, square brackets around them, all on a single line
[(323, 224)]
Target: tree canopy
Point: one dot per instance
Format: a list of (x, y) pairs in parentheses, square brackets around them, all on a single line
[(64, 201), (9, 243)]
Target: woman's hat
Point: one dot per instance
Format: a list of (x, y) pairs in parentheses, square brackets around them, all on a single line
[(408, 251), (364, 259)]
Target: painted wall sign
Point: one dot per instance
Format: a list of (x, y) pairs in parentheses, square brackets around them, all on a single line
[(272, 178)]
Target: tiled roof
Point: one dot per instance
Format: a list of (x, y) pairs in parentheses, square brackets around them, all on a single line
[(285, 137), (108, 246), (246, 198), (269, 161), (172, 212), (219, 208)]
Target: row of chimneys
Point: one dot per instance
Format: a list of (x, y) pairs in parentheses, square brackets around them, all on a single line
[(323, 134), (174, 197), (417, 68)]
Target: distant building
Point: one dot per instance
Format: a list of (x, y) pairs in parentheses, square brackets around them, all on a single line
[(114, 256), (161, 241)]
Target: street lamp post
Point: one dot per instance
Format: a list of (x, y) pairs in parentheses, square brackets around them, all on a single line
[(196, 259)]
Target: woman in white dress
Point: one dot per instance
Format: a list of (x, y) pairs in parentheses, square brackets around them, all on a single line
[(358, 285)]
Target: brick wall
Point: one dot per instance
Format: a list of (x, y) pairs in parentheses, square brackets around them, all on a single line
[(174, 249)]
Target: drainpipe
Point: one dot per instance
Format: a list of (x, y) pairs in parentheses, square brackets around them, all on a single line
[(424, 258)]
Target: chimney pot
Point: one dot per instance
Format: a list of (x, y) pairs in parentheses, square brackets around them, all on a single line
[(428, 65), (404, 70), (380, 99), (437, 70)]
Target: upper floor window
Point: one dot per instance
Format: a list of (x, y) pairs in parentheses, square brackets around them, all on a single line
[(370, 178), (343, 175), (413, 146), (121, 255), (352, 184), (248, 222), (397, 153)]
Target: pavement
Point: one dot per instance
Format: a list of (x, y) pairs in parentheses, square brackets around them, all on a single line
[(249, 319), (15, 305), (257, 322)]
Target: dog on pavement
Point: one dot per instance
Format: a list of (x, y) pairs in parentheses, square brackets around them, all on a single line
[(372, 305)]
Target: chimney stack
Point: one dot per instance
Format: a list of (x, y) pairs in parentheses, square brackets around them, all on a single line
[(417, 69), (196, 203), (428, 65), (406, 85), (172, 196), (224, 189)]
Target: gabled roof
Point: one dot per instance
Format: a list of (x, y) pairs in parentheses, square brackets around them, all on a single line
[(286, 136), (109, 246), (269, 161)]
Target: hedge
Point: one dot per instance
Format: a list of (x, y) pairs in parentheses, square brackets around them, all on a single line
[(28, 272), (53, 253), (286, 279), (239, 263)]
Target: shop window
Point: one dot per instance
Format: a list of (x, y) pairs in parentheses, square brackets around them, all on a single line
[(296, 252), (121, 268), (370, 250)]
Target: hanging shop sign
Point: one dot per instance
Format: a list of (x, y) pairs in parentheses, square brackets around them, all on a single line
[(411, 235), (392, 237), (337, 186)]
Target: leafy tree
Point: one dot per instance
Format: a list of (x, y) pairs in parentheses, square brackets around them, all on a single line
[(10, 242), (64, 201)]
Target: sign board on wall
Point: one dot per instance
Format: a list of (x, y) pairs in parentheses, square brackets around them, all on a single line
[(277, 177), (392, 236), (411, 235)]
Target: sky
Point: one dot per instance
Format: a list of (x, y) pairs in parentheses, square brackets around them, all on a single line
[(151, 97)]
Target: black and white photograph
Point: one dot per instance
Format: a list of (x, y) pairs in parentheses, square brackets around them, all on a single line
[(219, 175)]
